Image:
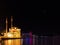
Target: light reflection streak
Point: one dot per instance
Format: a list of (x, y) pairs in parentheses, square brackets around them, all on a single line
[(12, 42)]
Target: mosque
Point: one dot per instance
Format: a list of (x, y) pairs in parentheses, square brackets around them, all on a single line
[(14, 32)]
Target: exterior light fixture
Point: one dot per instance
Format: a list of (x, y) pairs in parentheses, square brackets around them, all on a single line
[(9, 35)]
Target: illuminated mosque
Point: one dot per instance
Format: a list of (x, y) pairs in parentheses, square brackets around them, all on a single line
[(15, 32)]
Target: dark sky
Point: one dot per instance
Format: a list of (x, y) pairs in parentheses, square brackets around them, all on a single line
[(30, 16)]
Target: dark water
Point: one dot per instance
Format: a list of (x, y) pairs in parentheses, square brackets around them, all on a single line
[(11, 42), (42, 40)]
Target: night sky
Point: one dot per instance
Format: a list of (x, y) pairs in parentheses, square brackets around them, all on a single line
[(28, 16)]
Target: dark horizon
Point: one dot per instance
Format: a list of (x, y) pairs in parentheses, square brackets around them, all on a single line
[(37, 25)]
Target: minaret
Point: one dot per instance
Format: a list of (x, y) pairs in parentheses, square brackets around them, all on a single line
[(6, 26), (11, 21)]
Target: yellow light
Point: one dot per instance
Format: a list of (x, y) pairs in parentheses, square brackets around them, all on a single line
[(15, 27), (9, 35)]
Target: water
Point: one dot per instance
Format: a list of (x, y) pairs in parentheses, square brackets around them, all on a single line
[(10, 42)]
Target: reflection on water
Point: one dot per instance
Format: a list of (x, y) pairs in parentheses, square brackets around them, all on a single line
[(11, 42)]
